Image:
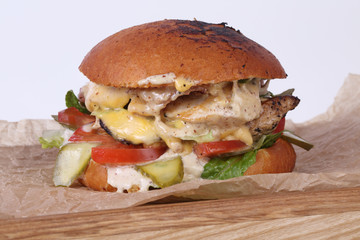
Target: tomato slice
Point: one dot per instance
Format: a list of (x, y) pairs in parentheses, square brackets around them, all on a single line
[(125, 155), (87, 134), (114, 152), (74, 118), (281, 126), (210, 149)]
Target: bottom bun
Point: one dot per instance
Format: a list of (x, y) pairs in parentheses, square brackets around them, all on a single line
[(95, 177), (279, 158)]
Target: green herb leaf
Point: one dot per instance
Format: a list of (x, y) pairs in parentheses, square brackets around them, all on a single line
[(225, 168), (72, 101)]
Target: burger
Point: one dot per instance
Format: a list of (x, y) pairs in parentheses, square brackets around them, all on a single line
[(174, 101)]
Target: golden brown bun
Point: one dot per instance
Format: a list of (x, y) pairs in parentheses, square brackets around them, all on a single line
[(279, 158), (209, 53), (95, 177)]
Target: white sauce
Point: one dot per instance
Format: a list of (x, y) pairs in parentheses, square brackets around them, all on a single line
[(245, 101), (158, 79), (151, 101), (66, 135), (189, 129), (87, 127), (193, 167), (124, 178)]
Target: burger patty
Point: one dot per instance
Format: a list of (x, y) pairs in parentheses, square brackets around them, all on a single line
[(274, 109)]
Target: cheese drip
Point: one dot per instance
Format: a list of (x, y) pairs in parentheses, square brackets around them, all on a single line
[(99, 97), (127, 126), (183, 84)]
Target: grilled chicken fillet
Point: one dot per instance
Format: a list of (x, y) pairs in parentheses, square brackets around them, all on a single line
[(274, 109)]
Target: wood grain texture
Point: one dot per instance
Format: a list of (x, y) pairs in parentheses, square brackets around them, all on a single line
[(310, 215)]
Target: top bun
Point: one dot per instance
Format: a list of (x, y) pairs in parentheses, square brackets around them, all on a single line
[(208, 53)]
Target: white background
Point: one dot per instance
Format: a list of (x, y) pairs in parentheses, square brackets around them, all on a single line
[(42, 43)]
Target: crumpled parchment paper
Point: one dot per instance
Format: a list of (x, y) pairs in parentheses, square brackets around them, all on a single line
[(26, 187)]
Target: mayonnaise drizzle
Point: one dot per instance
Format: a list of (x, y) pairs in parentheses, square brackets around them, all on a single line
[(125, 178), (160, 79)]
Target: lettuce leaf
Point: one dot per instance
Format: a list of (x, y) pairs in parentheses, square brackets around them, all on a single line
[(225, 168), (55, 138), (221, 168), (72, 101), (45, 143), (267, 141)]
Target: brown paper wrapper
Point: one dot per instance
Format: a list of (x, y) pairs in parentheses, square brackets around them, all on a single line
[(26, 187)]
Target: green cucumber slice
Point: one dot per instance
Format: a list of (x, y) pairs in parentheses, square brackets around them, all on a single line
[(71, 162), (164, 173)]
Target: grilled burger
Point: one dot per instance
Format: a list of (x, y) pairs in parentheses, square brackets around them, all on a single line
[(174, 101)]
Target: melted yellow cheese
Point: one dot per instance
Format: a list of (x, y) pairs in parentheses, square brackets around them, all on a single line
[(176, 123), (127, 126), (242, 133), (99, 97), (183, 84)]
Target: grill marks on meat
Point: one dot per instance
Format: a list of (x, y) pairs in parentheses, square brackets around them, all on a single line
[(274, 110)]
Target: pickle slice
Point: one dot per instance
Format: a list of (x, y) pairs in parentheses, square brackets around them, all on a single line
[(164, 173), (294, 139), (71, 162)]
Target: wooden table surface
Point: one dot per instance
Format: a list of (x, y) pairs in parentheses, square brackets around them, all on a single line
[(311, 215)]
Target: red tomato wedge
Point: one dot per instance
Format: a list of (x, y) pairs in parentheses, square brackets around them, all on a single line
[(125, 156), (280, 127), (74, 118), (210, 149), (87, 134)]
